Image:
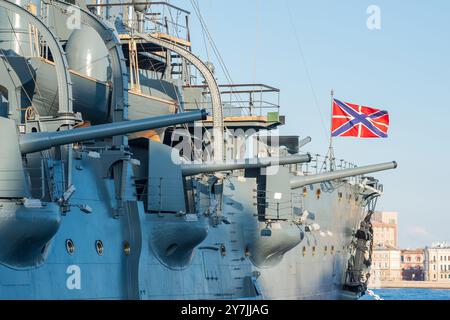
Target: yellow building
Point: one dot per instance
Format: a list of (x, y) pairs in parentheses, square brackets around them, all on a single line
[(385, 231), (386, 264)]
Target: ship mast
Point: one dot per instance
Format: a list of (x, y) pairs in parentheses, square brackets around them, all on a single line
[(331, 147)]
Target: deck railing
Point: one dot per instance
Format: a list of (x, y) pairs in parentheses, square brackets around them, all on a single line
[(254, 100)]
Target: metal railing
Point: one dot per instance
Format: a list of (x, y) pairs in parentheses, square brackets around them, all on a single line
[(320, 164), (242, 99), (160, 17)]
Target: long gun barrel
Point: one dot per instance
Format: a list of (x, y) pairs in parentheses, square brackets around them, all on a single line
[(299, 182), (195, 169), (35, 142)]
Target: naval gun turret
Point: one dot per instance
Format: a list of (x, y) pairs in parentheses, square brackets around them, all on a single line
[(302, 181), (34, 142), (247, 164), (28, 225)]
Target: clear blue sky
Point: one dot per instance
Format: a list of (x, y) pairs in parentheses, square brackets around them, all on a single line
[(403, 68)]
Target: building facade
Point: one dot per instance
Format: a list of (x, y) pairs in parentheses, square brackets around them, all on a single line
[(386, 264), (413, 264), (388, 217), (385, 228), (437, 262)]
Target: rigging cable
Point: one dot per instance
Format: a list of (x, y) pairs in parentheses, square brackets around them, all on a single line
[(216, 51), (308, 74)]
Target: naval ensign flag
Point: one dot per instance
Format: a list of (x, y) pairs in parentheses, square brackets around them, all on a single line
[(352, 120)]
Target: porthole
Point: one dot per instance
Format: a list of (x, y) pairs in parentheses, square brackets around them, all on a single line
[(304, 251), (247, 252), (99, 247), (70, 246), (325, 250), (126, 248), (223, 250), (332, 249), (314, 250)]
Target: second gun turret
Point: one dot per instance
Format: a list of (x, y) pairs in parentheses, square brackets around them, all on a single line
[(302, 181)]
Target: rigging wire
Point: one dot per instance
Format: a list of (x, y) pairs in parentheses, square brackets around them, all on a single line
[(206, 45), (305, 65), (196, 7), (216, 51)]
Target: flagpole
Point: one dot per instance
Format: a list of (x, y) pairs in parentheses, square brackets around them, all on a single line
[(331, 149)]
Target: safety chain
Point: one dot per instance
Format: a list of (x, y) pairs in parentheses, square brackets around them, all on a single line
[(374, 295)]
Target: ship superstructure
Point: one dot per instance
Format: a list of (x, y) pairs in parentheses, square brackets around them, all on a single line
[(128, 172)]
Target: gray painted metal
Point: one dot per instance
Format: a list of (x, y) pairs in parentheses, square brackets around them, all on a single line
[(174, 240), (62, 69), (91, 98), (299, 182), (217, 251), (34, 142), (10, 80), (19, 40), (256, 163), (118, 66), (25, 232), (87, 54), (12, 179), (216, 100), (165, 181)]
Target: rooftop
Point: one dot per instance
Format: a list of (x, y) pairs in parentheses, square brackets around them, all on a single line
[(440, 245), (384, 247), (376, 223), (412, 251)]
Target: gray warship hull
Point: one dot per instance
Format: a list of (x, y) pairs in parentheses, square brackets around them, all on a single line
[(218, 267), (94, 204)]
